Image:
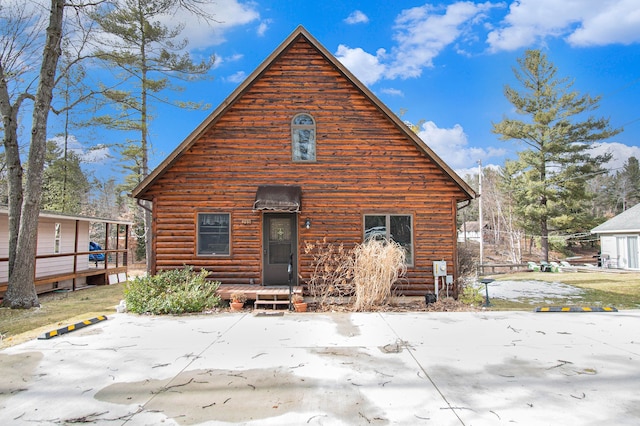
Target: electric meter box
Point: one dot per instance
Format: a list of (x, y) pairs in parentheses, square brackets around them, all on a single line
[(440, 268)]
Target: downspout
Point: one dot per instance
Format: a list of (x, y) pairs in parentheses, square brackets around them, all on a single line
[(148, 241), (465, 206), (138, 200)]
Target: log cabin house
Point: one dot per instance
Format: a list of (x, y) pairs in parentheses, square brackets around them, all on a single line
[(64, 260), (301, 150)]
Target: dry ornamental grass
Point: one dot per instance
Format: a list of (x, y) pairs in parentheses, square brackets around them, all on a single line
[(378, 264)]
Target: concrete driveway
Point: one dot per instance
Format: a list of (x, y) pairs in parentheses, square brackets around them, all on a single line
[(485, 368)]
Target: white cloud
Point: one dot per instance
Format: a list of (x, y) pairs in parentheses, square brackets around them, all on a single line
[(617, 23), (393, 92), (238, 77), (452, 145), (227, 14), (263, 27), (620, 153), (95, 154), (581, 22), (219, 60), (366, 67), (357, 17), (423, 32)]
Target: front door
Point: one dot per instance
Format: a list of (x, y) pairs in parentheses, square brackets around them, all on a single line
[(280, 245)]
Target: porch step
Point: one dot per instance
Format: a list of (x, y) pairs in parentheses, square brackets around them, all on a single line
[(273, 297)]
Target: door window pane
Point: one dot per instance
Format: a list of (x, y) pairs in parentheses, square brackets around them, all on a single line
[(279, 240), (213, 233)]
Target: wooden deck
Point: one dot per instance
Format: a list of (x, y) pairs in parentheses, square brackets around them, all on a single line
[(67, 281)]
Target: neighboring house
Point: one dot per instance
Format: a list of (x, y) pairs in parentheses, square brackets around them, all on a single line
[(470, 231), (298, 152), (63, 253), (619, 240)]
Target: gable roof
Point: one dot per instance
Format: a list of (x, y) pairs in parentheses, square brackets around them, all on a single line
[(627, 221), (140, 191)]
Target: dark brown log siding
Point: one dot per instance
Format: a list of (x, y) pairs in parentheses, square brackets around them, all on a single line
[(365, 165)]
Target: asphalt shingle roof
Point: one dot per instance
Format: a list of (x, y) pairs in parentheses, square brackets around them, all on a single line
[(627, 221)]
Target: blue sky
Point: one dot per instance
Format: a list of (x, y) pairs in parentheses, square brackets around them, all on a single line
[(442, 62)]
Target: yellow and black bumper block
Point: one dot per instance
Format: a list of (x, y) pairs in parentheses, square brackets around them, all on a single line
[(576, 309), (70, 328)]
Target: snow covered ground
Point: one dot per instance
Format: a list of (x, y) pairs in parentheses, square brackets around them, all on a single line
[(535, 291)]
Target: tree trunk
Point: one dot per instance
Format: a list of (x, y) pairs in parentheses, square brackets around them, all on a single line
[(14, 171), (21, 291), (544, 239)]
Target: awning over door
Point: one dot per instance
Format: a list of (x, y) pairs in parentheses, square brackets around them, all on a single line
[(280, 198)]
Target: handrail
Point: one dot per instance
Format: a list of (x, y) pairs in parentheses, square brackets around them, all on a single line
[(80, 253)]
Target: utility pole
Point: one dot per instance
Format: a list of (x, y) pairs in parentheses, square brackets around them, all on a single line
[(480, 225)]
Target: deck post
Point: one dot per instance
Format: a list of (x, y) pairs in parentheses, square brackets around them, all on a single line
[(75, 256)]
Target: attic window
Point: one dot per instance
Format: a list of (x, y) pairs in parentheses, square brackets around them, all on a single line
[(303, 138)]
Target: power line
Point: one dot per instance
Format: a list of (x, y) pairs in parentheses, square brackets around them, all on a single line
[(630, 122), (621, 88)]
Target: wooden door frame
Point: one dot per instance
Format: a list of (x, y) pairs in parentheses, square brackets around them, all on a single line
[(263, 244)]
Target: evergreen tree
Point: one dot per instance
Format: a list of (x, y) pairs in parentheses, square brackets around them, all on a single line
[(628, 184), (556, 164), (149, 54), (65, 187)]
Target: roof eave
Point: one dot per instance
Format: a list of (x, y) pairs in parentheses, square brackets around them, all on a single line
[(615, 231)]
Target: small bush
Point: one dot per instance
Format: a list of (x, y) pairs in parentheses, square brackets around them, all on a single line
[(175, 291), (471, 295)]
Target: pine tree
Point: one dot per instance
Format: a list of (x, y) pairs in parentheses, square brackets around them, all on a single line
[(556, 164), (628, 184), (148, 53), (65, 187)]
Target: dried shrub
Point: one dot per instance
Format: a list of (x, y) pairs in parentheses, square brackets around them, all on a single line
[(468, 258), (377, 265), (332, 274)]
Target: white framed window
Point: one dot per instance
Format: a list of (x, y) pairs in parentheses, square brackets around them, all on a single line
[(214, 234), (57, 238), (391, 227), (303, 138)]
